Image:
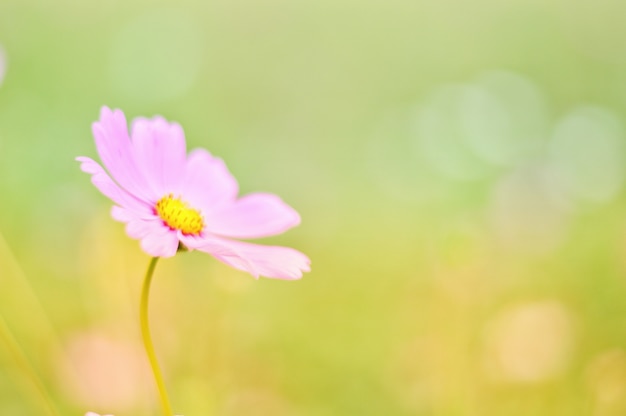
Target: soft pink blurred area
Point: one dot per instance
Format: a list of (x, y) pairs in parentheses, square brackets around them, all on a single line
[(3, 64), (103, 372), (459, 168)]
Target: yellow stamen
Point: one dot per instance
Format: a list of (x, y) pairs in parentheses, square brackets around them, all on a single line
[(177, 215)]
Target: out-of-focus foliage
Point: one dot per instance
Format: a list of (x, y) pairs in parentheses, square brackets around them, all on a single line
[(459, 167)]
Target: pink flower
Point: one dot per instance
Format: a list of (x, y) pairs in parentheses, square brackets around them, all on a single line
[(169, 199)]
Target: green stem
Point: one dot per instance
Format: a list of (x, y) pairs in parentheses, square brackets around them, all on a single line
[(147, 340), (26, 368)]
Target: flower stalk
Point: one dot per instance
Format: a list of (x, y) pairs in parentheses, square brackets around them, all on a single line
[(147, 339)]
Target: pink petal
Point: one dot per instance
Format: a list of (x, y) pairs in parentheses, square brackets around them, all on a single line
[(207, 184), (115, 150), (160, 153), (258, 260), (253, 216), (156, 238), (135, 223), (121, 214), (160, 242), (110, 189), (139, 228)]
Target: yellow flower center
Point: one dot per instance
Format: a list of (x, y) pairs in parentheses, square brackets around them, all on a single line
[(178, 216)]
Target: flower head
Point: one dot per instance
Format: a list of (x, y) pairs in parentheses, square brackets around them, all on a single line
[(169, 199)]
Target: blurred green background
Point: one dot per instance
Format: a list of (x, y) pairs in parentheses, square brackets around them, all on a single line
[(459, 167)]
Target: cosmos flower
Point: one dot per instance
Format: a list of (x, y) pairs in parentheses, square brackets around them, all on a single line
[(170, 200)]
